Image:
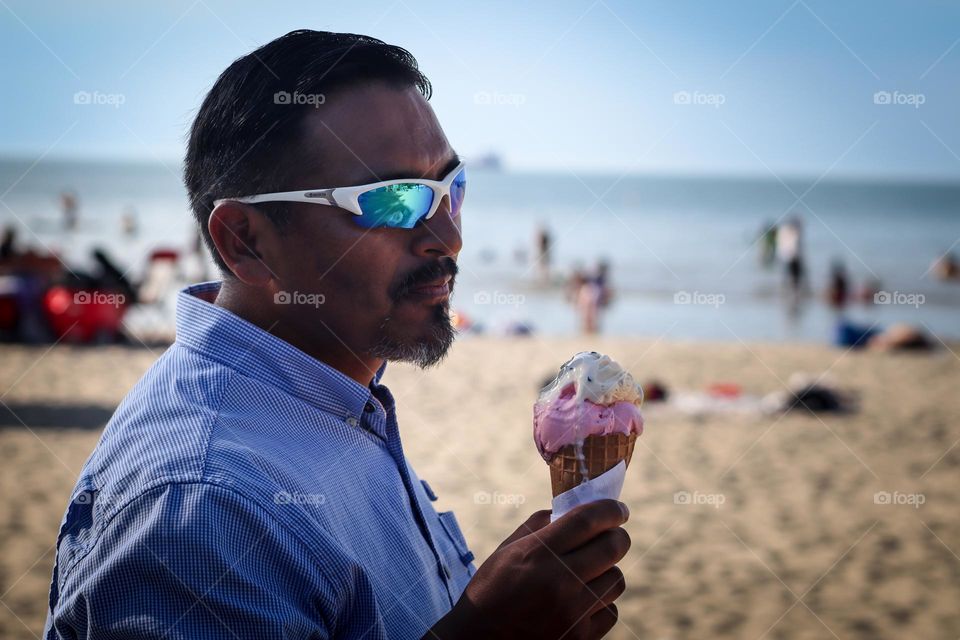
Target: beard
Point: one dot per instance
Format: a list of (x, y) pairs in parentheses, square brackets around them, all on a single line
[(424, 350), (428, 347)]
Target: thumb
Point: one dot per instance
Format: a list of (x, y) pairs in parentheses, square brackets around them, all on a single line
[(537, 521)]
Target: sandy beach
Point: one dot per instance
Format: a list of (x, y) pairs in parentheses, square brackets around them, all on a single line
[(744, 525)]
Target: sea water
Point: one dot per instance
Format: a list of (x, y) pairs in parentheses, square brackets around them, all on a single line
[(682, 250)]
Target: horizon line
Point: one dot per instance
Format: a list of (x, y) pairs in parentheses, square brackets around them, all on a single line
[(596, 170)]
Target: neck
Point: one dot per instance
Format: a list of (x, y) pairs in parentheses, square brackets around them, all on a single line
[(323, 345)]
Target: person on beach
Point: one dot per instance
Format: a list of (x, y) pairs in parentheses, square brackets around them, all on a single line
[(838, 289), (790, 251), (590, 294), (946, 267), (543, 244), (602, 278), (584, 294), (8, 242), (69, 207), (254, 484), (128, 222), (767, 243)]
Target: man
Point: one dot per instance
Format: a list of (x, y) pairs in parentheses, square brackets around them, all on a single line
[(253, 484)]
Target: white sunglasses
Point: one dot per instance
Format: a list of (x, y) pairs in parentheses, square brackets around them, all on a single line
[(399, 204)]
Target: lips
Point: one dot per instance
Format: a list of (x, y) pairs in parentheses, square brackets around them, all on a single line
[(431, 282), (437, 288)]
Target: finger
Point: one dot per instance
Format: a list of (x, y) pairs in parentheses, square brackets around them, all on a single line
[(535, 522), (602, 621), (598, 555), (582, 524), (602, 591)]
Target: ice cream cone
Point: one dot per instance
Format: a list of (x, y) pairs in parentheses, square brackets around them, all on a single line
[(600, 454)]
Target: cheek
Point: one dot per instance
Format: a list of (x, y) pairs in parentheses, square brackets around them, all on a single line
[(360, 267), (349, 263), (356, 278), (322, 247)]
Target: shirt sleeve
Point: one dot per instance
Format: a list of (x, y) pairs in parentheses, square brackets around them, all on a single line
[(198, 561)]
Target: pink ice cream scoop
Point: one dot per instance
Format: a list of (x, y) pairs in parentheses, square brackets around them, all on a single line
[(562, 420), (585, 424)]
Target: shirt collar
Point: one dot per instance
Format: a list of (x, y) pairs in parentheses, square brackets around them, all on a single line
[(244, 347)]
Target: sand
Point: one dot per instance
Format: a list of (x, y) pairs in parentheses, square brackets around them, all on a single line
[(776, 531)]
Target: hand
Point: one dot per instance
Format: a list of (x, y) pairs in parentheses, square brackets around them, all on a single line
[(547, 580)]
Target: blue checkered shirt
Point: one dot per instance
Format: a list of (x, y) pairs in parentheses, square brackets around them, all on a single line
[(244, 489)]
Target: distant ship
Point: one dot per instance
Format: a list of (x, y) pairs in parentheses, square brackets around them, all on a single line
[(487, 162)]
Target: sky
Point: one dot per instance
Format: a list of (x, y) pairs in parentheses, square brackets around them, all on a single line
[(770, 87)]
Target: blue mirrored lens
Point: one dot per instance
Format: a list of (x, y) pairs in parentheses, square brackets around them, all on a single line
[(458, 190), (398, 205)]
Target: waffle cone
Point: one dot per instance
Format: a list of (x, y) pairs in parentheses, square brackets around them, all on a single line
[(600, 454)]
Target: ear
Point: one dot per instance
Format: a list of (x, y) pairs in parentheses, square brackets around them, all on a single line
[(240, 233)]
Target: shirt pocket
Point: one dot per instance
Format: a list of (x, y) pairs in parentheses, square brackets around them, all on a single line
[(461, 563)]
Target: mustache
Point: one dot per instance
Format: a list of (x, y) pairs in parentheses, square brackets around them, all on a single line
[(425, 274)]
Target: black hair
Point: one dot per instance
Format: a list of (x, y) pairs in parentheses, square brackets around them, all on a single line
[(244, 138)]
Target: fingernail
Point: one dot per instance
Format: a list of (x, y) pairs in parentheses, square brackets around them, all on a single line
[(624, 510)]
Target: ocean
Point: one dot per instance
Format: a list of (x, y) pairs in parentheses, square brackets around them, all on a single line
[(682, 252)]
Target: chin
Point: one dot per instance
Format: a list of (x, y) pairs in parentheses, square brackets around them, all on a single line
[(422, 341)]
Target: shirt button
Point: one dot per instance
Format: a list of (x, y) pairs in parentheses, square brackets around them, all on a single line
[(352, 421), (369, 408)]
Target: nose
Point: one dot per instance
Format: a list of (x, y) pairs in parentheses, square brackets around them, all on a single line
[(440, 235)]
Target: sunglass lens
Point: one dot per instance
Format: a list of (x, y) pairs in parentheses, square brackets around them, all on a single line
[(398, 205), (458, 190)]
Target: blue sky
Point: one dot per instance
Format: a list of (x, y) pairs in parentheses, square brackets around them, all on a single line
[(771, 86)]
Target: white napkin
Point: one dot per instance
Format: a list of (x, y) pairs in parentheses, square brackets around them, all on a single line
[(606, 485)]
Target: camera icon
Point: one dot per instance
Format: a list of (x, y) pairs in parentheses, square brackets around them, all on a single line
[(881, 497), (281, 97), (281, 497), (882, 297), (481, 497), (681, 497), (682, 297), (482, 97), (81, 97), (81, 297), (882, 97), (481, 297), (681, 97), (84, 497), (282, 297)]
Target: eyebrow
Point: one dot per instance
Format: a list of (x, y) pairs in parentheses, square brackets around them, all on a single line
[(449, 166)]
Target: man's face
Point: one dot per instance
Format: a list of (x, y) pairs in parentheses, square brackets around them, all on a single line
[(385, 292)]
